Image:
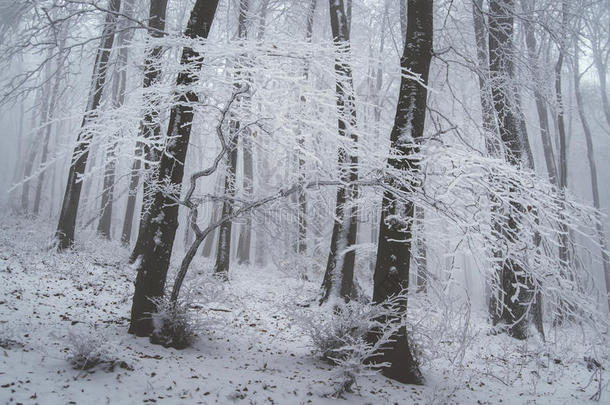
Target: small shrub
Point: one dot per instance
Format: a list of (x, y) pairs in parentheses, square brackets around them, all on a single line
[(172, 325), (87, 352), (339, 335)]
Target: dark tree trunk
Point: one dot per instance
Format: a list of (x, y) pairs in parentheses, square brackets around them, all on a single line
[(339, 276), (528, 160), (601, 234), (69, 208), (223, 251), (149, 128), (157, 240), (512, 313), (394, 247)]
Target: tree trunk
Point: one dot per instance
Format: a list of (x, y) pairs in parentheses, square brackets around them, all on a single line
[(348, 15), (490, 129), (302, 198), (564, 233), (403, 19), (157, 240), (487, 109), (394, 247), (118, 98), (223, 251), (511, 274), (421, 259), (49, 126), (12, 197), (33, 149), (208, 244), (149, 128), (245, 235), (69, 208), (601, 234), (545, 130), (339, 276)]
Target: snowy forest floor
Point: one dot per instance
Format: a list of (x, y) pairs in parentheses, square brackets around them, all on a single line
[(249, 348)]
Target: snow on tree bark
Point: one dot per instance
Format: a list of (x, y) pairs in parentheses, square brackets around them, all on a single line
[(149, 128), (338, 280), (515, 287), (394, 247), (223, 251), (69, 209), (158, 234), (119, 84), (601, 234)]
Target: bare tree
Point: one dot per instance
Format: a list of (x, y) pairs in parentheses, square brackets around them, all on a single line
[(302, 198), (150, 127), (69, 208), (54, 97), (119, 84), (394, 249), (223, 251), (339, 276), (506, 309), (601, 234), (158, 233)]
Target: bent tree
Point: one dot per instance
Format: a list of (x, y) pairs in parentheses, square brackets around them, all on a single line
[(157, 235), (397, 216), (69, 208), (223, 251)]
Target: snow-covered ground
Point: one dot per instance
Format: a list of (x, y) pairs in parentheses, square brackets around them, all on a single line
[(249, 348)]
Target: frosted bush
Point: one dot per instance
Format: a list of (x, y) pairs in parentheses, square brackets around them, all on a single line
[(341, 335), (173, 326), (87, 351)]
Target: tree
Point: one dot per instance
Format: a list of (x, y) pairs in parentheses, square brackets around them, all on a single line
[(397, 215), (150, 127), (54, 97), (223, 252), (45, 107), (513, 280), (601, 234), (545, 131), (302, 198), (69, 209), (339, 276), (158, 233), (118, 99), (598, 31)]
